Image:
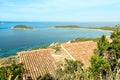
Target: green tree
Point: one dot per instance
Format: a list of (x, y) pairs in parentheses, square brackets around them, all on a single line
[(99, 67), (47, 76), (70, 70), (111, 53), (12, 72), (102, 45)]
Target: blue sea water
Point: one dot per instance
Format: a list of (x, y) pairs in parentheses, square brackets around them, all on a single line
[(13, 41)]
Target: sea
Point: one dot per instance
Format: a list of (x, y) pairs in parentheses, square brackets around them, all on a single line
[(13, 41)]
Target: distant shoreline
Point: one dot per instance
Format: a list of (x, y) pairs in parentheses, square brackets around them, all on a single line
[(108, 29), (97, 29)]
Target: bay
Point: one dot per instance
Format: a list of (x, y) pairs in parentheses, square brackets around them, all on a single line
[(13, 41)]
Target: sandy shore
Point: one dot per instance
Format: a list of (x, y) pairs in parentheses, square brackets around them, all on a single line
[(95, 29)]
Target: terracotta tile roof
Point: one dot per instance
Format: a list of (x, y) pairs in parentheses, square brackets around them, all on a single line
[(81, 51), (37, 62)]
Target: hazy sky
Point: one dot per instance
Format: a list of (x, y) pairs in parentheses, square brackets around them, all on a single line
[(60, 10)]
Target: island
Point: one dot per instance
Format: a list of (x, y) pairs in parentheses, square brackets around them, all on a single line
[(22, 27), (69, 26), (109, 28)]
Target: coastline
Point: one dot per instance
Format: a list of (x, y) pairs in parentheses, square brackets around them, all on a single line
[(21, 29), (97, 29), (4, 58), (52, 46), (108, 29), (53, 42)]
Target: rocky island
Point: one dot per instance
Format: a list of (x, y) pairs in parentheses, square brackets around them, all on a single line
[(22, 27)]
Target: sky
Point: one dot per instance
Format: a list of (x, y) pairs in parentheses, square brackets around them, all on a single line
[(60, 10)]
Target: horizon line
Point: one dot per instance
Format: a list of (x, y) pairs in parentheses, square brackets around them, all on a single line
[(57, 21)]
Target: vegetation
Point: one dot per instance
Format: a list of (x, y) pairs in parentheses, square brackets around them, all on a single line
[(46, 76), (111, 53), (70, 26), (57, 48), (99, 68), (101, 28), (105, 63), (22, 27), (84, 39), (71, 70), (106, 28), (12, 72), (43, 47)]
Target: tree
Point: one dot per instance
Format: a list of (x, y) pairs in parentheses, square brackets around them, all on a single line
[(111, 53), (102, 46), (99, 67), (47, 76), (71, 70), (12, 72)]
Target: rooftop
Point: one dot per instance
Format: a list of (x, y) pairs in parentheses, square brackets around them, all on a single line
[(37, 62), (81, 51)]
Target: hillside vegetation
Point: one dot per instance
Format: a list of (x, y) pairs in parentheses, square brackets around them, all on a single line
[(84, 39)]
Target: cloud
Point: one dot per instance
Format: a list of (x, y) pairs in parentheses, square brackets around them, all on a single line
[(58, 9)]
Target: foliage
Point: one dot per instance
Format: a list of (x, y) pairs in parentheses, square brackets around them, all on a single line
[(107, 28), (101, 28), (57, 48), (12, 72), (47, 76), (22, 27), (110, 52), (99, 67), (105, 63), (43, 47), (84, 39), (102, 45), (71, 70), (69, 26)]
